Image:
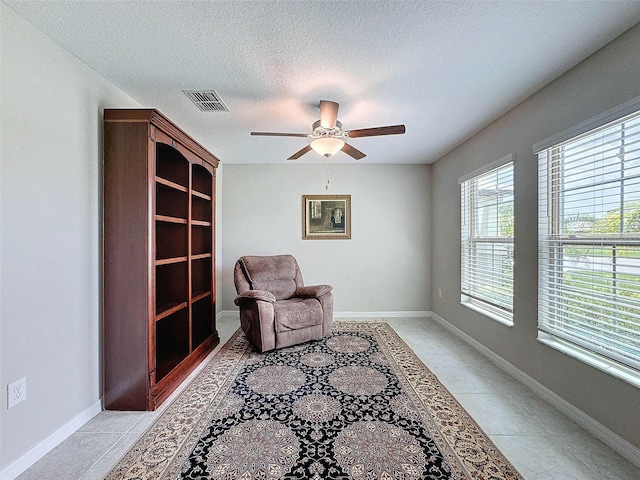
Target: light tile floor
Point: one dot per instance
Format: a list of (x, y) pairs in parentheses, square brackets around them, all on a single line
[(540, 442)]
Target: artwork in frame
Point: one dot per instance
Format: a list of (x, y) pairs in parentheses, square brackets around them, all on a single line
[(326, 217)]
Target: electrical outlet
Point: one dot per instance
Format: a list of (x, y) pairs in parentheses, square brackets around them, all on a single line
[(16, 392), (439, 293)]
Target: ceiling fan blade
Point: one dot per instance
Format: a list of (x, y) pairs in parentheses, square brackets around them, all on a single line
[(278, 134), (328, 113), (299, 153), (376, 131), (354, 152)]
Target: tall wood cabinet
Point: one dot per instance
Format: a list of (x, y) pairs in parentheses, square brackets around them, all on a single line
[(159, 259)]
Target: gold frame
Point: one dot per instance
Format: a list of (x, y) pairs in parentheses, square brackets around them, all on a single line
[(319, 213)]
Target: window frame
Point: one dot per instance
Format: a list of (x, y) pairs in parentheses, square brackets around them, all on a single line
[(553, 239), (495, 310)]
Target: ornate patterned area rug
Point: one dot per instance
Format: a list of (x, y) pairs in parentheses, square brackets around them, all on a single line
[(358, 404)]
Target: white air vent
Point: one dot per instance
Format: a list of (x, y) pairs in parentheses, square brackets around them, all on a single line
[(207, 100)]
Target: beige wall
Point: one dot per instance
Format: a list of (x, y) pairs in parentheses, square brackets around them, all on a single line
[(386, 264), (608, 78), (51, 152)]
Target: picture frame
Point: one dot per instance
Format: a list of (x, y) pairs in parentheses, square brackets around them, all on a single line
[(326, 217)]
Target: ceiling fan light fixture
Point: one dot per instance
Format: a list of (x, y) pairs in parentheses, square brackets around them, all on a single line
[(327, 146)]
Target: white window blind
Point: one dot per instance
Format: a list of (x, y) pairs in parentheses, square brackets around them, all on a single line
[(487, 240), (589, 241)]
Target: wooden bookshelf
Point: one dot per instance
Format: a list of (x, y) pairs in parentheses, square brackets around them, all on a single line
[(159, 269)]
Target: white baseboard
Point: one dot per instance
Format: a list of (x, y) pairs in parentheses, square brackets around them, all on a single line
[(342, 315), (382, 315), (230, 314), (605, 435), (43, 447)]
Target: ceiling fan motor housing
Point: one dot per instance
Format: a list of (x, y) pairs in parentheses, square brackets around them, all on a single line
[(320, 131)]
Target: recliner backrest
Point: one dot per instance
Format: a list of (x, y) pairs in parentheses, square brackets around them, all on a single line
[(278, 274)]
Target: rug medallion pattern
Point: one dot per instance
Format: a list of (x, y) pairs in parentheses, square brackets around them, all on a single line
[(358, 404)]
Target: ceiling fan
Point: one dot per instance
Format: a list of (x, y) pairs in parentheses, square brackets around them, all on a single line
[(327, 134)]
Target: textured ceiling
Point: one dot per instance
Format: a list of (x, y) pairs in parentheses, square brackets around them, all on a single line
[(443, 68)]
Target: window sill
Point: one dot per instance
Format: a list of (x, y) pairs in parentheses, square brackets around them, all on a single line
[(621, 372), (503, 319)]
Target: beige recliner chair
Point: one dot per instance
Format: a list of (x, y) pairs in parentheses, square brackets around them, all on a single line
[(276, 308)]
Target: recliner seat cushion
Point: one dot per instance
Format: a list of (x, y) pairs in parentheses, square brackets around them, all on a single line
[(275, 274), (297, 313)]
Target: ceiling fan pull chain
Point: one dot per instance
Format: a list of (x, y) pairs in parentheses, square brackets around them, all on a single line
[(326, 187)]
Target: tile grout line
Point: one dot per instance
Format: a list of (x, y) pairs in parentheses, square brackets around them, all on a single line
[(177, 392), (113, 445)]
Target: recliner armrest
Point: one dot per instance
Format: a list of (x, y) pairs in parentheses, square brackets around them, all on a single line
[(313, 291), (255, 295)]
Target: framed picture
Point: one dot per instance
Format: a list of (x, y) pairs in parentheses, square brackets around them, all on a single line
[(326, 217)]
